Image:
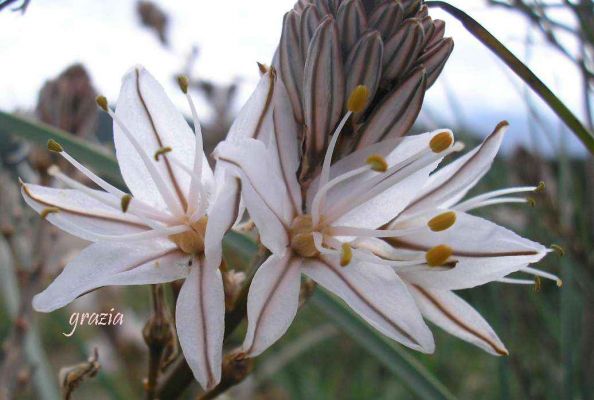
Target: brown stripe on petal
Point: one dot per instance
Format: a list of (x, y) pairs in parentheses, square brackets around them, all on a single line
[(428, 28), (205, 327), (364, 65), (457, 321), (309, 22), (352, 22), (467, 165), (291, 263), (176, 187), (434, 59), (291, 62), (367, 302), (394, 116), (402, 244), (438, 33), (81, 213), (402, 49), (267, 103), (323, 89), (260, 195), (386, 18)]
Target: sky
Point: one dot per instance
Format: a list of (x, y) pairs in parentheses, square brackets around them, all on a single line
[(475, 91)]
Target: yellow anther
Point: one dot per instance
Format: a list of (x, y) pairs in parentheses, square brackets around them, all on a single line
[(183, 83), (531, 201), (263, 68), (358, 99), (442, 221), (377, 163), (125, 203), (161, 151), (441, 141), (438, 255), (49, 210), (346, 255), (540, 187), (54, 146), (558, 249), (102, 102), (559, 283)]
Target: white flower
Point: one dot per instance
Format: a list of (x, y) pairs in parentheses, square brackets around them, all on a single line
[(461, 251), (171, 229), (311, 232)]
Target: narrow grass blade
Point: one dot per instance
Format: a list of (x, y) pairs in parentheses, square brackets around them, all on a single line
[(100, 161), (412, 373), (520, 69)]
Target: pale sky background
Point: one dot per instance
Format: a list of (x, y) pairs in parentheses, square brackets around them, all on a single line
[(233, 34)]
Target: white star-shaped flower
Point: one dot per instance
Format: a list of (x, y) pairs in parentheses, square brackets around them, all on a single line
[(170, 228)]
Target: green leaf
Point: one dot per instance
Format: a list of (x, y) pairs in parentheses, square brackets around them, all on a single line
[(98, 159), (412, 373)]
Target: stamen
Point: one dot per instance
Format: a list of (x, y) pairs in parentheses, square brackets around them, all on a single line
[(346, 255), (197, 192), (470, 203), (543, 274), (391, 177), (442, 221), (149, 234), (54, 146), (514, 281), (102, 102), (531, 201), (162, 187), (183, 83), (376, 233), (325, 173), (558, 249), (321, 193), (125, 203), (377, 163), (161, 151), (358, 99), (441, 141), (467, 206), (48, 210), (438, 255), (111, 202)]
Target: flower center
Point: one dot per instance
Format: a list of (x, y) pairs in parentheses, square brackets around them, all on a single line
[(301, 234), (191, 241)]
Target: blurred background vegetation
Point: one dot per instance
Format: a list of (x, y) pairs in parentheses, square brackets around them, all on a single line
[(549, 331)]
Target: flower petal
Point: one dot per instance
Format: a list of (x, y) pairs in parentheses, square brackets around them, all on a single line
[(449, 184), (290, 62), (254, 120), (200, 322), (394, 116), (402, 49), (377, 294), (272, 302), (107, 263), (79, 214), (221, 216), (454, 315), (323, 89), (483, 252), (151, 117), (263, 189), (389, 202)]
